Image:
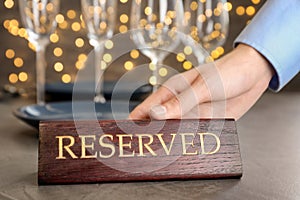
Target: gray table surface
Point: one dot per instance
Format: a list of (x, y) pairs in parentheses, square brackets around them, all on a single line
[(270, 144)]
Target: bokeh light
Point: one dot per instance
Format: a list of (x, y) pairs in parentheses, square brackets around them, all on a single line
[(109, 44), (152, 66), (58, 67), (163, 72), (54, 38), (76, 26), (134, 54), (250, 10), (227, 6), (255, 1), (58, 52), (123, 29), (79, 42), (124, 18), (107, 57), (18, 62), (23, 76), (60, 18), (9, 53), (66, 78), (153, 80), (13, 78), (71, 14), (128, 65), (71, 22), (188, 50), (9, 4), (240, 10), (187, 65), (180, 57)]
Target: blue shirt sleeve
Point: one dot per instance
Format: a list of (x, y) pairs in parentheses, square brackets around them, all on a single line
[(275, 33)]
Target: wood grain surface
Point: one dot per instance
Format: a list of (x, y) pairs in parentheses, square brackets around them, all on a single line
[(187, 158)]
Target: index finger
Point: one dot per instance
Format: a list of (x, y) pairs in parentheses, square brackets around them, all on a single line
[(167, 91), (157, 98)]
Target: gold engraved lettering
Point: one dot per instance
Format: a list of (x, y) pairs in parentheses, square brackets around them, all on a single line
[(106, 145), (164, 144), (84, 146), (122, 145), (66, 147), (218, 143), (184, 144), (146, 145)]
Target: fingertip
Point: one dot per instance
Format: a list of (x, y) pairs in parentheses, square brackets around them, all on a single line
[(137, 113), (130, 117), (158, 112)]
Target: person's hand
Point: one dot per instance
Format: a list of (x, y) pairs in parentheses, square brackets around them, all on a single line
[(227, 88)]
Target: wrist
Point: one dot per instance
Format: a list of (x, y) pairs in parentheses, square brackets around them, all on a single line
[(247, 62), (260, 63)]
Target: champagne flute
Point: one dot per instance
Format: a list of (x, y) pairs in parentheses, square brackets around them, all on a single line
[(38, 17), (207, 22), (155, 24), (99, 17)]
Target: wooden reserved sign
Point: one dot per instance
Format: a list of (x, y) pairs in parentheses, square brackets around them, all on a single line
[(114, 151)]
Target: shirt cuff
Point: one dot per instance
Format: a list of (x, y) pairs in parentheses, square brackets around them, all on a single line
[(274, 33)]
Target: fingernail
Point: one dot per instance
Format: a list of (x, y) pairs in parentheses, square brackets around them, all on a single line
[(158, 110)]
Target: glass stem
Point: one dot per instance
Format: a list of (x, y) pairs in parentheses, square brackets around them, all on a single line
[(156, 62), (99, 78), (40, 74)]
